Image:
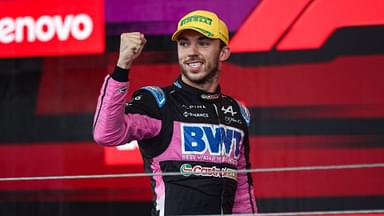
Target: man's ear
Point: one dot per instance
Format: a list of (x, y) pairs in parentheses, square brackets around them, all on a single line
[(225, 53)]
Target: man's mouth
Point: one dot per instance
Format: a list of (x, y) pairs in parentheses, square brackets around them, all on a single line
[(194, 66)]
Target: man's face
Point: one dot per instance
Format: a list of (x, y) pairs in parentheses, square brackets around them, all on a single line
[(199, 57)]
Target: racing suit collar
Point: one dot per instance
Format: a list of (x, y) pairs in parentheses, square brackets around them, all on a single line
[(179, 84)]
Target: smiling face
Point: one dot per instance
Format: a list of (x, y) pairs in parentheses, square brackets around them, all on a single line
[(200, 59)]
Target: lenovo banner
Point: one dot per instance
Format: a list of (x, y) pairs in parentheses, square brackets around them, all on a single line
[(48, 28)]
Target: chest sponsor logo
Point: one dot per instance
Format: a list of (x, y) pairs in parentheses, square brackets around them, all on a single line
[(212, 139), (196, 115), (193, 106), (198, 170)]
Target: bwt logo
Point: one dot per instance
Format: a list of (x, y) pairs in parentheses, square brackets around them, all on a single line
[(212, 139), (45, 28)]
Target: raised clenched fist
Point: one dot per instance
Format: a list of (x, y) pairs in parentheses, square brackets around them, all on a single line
[(131, 45)]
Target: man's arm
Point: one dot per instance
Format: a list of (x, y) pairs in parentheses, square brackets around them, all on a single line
[(114, 124), (111, 125), (244, 198)]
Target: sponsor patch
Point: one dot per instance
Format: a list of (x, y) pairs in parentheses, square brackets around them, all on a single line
[(215, 140), (198, 170)]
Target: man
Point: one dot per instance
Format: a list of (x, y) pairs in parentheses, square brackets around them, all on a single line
[(189, 127)]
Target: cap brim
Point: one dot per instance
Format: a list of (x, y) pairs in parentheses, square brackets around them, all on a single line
[(176, 34)]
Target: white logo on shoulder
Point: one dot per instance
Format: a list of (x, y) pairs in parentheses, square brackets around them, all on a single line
[(228, 110)]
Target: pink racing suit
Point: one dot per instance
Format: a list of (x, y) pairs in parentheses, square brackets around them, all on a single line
[(201, 135)]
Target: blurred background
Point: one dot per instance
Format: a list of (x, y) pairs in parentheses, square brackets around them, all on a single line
[(310, 71)]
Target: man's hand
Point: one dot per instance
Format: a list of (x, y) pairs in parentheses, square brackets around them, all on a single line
[(131, 45)]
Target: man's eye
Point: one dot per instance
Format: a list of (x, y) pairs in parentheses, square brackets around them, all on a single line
[(204, 43), (183, 43)]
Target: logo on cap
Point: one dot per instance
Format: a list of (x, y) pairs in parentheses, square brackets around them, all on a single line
[(205, 22), (196, 18)]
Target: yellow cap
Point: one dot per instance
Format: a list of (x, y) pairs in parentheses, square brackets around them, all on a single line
[(205, 22)]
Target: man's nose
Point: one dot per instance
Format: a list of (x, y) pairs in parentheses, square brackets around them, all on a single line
[(193, 49)]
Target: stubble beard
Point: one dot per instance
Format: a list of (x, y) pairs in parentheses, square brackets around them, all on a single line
[(207, 78)]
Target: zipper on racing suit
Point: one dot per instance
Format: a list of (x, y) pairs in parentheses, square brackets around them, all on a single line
[(221, 155)]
